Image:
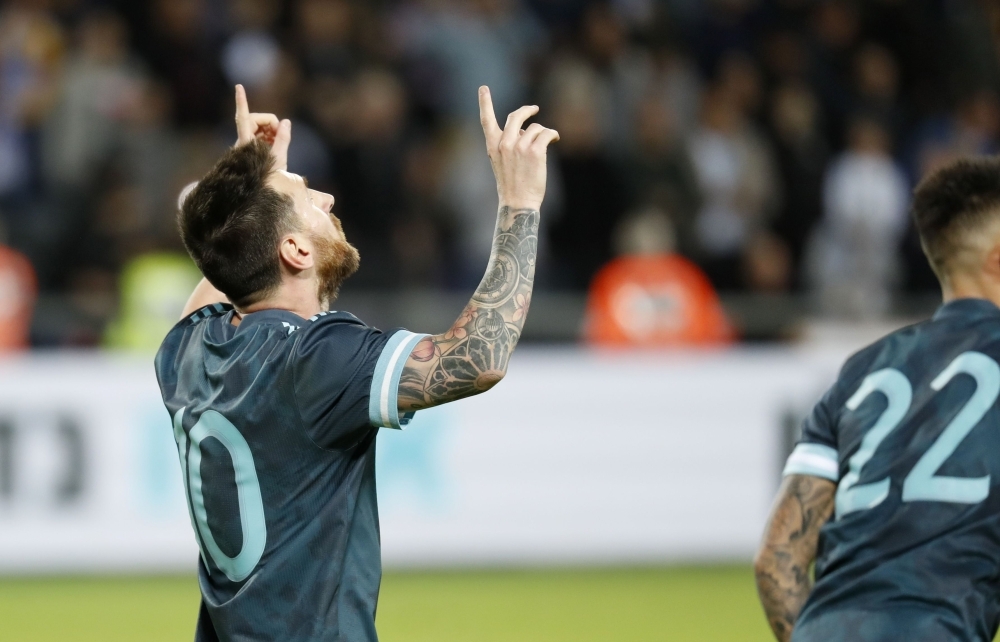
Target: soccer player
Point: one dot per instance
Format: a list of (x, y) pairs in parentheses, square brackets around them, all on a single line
[(276, 401), (893, 488)]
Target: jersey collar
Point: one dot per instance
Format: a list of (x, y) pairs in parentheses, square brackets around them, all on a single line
[(965, 308), (272, 317)]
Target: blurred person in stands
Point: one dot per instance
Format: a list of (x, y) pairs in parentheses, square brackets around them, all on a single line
[(459, 45), (102, 87), (370, 168), (625, 71), (471, 42), (421, 233), (184, 53), (153, 289), (325, 29), (18, 292), (876, 88), (660, 171), (32, 48), (971, 129), (739, 185), (592, 193), (252, 52), (854, 260), (651, 296), (261, 378), (802, 156), (834, 34), (83, 140)]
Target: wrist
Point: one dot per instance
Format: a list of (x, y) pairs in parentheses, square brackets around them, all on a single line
[(517, 205)]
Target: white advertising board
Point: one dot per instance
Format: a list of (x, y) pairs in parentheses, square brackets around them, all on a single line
[(577, 457)]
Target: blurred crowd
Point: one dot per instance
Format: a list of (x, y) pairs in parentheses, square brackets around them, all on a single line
[(772, 142)]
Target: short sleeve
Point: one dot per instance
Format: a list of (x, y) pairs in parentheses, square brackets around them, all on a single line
[(343, 372), (383, 403), (816, 452)]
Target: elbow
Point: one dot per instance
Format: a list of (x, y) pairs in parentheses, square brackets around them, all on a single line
[(489, 379)]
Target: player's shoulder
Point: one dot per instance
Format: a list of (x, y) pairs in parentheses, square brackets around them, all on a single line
[(879, 353), (194, 320), (332, 333), (325, 324), (173, 346)]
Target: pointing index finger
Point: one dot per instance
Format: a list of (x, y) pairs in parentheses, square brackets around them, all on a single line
[(245, 128), (488, 117)]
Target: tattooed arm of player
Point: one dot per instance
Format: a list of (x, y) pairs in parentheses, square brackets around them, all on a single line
[(782, 565), (472, 356)]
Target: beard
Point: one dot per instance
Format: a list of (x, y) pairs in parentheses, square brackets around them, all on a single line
[(336, 260)]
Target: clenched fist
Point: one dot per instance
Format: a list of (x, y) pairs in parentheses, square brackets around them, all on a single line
[(518, 156)]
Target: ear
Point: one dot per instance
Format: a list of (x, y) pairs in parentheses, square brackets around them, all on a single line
[(296, 252), (992, 263)]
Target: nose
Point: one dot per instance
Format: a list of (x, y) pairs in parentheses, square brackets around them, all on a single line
[(325, 201)]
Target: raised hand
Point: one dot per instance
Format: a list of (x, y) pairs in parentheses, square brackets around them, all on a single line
[(472, 356), (518, 155), (267, 127)]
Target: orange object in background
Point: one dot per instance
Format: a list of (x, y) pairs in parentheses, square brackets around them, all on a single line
[(18, 291), (654, 300)]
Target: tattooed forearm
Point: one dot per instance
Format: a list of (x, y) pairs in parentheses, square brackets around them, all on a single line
[(783, 563), (472, 356)]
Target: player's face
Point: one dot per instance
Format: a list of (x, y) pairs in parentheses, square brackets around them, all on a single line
[(336, 259)]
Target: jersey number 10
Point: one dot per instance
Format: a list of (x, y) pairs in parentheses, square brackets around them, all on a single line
[(922, 484), (212, 424)]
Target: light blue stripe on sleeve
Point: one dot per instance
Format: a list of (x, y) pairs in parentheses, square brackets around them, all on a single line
[(815, 460), (383, 405)]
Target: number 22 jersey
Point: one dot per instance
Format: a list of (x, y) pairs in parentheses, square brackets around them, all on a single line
[(275, 422), (910, 433)]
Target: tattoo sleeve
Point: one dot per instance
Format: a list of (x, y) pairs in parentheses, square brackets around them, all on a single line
[(782, 566), (472, 356)]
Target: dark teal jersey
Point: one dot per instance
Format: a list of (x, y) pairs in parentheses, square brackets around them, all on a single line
[(911, 435), (275, 423)]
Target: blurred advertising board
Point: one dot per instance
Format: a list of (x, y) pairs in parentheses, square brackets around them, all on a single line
[(577, 457)]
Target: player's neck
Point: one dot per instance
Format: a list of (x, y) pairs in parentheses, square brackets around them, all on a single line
[(298, 297), (969, 287)]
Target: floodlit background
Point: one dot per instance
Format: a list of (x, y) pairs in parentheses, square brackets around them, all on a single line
[(726, 221)]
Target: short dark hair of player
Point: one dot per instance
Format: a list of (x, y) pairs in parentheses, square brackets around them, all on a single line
[(953, 202), (232, 223)]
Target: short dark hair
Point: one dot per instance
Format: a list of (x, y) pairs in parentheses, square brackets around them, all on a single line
[(232, 223), (959, 197)]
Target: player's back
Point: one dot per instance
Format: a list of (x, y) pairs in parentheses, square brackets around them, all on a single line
[(911, 435), (274, 425)]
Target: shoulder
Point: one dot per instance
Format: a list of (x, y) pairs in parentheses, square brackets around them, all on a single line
[(173, 345), (331, 325), (198, 318), (877, 355)]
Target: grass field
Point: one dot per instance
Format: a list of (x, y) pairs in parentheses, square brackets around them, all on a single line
[(673, 604)]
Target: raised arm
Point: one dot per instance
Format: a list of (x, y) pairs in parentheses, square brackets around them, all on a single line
[(472, 356), (248, 127), (782, 565)]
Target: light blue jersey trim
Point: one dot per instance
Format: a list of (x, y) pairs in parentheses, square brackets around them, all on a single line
[(815, 460), (383, 404)]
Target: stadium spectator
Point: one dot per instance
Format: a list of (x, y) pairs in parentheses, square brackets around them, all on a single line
[(865, 199), (651, 296), (124, 103), (592, 191), (739, 184), (802, 155)]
